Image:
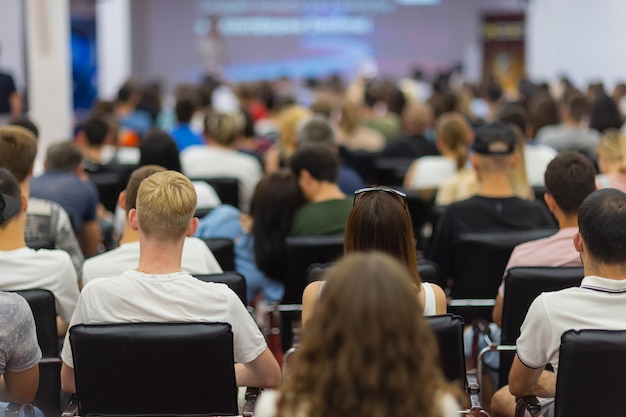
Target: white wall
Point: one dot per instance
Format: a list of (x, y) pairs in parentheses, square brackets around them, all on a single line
[(580, 38), (12, 40), (113, 36)]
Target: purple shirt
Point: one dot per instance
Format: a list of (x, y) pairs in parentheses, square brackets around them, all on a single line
[(555, 250)]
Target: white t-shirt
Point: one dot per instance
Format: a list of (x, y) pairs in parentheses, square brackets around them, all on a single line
[(178, 297), (537, 157), (597, 304), (266, 405), (197, 259), (52, 270), (432, 172), (202, 161)]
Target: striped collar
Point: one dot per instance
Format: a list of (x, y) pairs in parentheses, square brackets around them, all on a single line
[(604, 284)]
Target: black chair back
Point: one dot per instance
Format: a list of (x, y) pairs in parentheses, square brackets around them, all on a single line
[(448, 329), (224, 251), (303, 251), (156, 369), (234, 280), (479, 263), (110, 180), (421, 210), (523, 285), (591, 374), (40, 244), (226, 188), (390, 171), (42, 304)]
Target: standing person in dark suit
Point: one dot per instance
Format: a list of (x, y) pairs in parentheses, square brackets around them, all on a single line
[(10, 100)]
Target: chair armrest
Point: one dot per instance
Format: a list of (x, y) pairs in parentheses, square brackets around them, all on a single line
[(528, 403), (471, 302), (71, 409), (252, 393), (494, 347), (50, 360)]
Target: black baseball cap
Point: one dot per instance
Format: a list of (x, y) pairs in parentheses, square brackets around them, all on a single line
[(9, 206), (494, 139)]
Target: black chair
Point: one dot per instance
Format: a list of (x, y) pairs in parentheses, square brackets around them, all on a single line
[(592, 374), (523, 285), (362, 162), (110, 180), (42, 304), (478, 267), (226, 188), (224, 251), (391, 171), (234, 280), (421, 210), (156, 369), (448, 330), (40, 244)]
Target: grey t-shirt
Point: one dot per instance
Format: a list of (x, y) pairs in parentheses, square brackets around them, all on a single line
[(19, 350)]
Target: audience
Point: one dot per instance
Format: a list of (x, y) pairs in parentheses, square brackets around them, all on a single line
[(417, 118), (160, 291), (605, 114), (259, 238), (220, 157), (46, 221), (495, 208), (327, 208), (612, 160), (23, 267), (353, 134), (380, 221), (367, 351), (182, 132), (277, 156), (196, 257), (597, 304), (96, 140), (64, 183)]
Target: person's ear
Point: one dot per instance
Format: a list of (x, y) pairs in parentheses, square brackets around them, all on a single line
[(193, 226), (579, 244), (550, 202), (515, 159), (121, 200), (24, 203), (132, 219)]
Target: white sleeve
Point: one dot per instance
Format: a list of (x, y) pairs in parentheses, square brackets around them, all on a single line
[(536, 336), (248, 341), (67, 289), (79, 317), (266, 404), (449, 405)]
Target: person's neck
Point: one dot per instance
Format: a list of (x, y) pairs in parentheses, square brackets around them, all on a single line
[(12, 236), (495, 185), (159, 256), (327, 191), (129, 235), (93, 153), (566, 221), (615, 272), (572, 124), (25, 186)]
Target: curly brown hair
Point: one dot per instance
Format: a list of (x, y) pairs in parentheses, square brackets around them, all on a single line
[(367, 351)]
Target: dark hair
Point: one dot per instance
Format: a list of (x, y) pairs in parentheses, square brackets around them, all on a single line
[(64, 157), (577, 105), (127, 91), (493, 90), (275, 201), (185, 107), (605, 114), (158, 148), (26, 123), (316, 130), (570, 178), (544, 111), (380, 221), (602, 225), (516, 115), (132, 187), (319, 160), (95, 130)]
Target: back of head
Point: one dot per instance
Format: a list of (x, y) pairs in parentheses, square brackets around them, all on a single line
[(288, 121), (132, 187), (316, 130), (222, 128), (321, 162), (27, 124), (516, 115), (275, 201), (158, 148), (605, 114), (10, 197), (323, 104), (544, 111), (347, 364), (612, 148), (166, 203), (380, 221), (570, 178), (185, 108), (96, 131), (418, 117), (602, 225), (129, 91), (18, 148), (455, 133), (63, 157), (578, 107)]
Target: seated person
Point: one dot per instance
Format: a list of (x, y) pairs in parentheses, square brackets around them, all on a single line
[(597, 304), (19, 361), (366, 336), (161, 292), (380, 221), (260, 237), (327, 208), (197, 257), (495, 208)]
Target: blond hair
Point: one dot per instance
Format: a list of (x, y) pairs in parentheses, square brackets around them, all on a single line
[(166, 202), (455, 133), (288, 121), (613, 147)]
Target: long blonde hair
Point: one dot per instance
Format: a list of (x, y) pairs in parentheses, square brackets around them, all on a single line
[(455, 133), (613, 147), (367, 351)]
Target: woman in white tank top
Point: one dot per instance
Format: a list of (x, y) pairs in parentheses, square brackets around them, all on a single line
[(380, 221)]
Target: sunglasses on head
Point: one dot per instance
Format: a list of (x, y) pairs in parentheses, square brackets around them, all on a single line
[(358, 193)]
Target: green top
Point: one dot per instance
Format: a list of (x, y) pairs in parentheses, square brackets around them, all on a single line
[(322, 219)]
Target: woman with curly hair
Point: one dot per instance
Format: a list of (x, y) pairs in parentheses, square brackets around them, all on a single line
[(365, 352)]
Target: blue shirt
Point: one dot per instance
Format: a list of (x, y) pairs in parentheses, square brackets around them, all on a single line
[(184, 136)]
